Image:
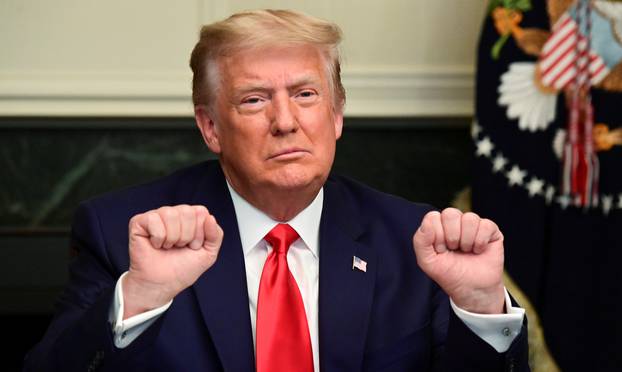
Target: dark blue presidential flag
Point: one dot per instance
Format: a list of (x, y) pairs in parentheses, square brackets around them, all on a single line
[(547, 138)]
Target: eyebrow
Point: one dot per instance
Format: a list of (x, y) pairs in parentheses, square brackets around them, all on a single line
[(247, 88), (304, 80), (254, 86)]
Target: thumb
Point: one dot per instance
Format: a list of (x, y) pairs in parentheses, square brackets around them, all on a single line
[(423, 241), (213, 234)]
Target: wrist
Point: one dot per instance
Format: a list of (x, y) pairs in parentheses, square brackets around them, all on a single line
[(140, 296), (482, 301)]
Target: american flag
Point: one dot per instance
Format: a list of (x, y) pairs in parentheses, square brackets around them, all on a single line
[(357, 263), (566, 50)]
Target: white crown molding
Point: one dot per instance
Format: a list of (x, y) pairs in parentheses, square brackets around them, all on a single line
[(39, 93), (371, 92), (408, 91)]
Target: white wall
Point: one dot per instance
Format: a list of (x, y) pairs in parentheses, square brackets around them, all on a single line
[(129, 57)]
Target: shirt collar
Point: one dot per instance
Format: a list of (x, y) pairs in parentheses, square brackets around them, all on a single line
[(254, 224)]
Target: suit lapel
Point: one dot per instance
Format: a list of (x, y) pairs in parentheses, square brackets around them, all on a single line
[(345, 295), (221, 291)]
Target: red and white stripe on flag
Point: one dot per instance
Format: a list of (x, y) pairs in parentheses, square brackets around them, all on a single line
[(565, 55)]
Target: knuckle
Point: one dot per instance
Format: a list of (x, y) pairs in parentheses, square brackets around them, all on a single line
[(490, 225), (453, 241), (466, 247), (200, 209), (486, 223), (433, 214), (158, 235), (450, 214), (152, 218), (431, 218), (135, 218), (470, 217), (169, 212), (168, 239), (481, 242), (185, 210), (494, 226)]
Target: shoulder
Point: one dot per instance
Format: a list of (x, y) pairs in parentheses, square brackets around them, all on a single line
[(111, 212), (175, 188), (100, 224)]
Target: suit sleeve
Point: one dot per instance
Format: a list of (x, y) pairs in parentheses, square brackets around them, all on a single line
[(463, 350), (79, 337)]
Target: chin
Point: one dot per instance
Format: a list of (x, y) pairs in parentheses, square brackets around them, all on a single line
[(297, 179)]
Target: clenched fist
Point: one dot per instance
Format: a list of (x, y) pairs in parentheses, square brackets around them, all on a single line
[(463, 254), (170, 248)]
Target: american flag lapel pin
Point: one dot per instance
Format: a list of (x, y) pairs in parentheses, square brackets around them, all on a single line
[(359, 264)]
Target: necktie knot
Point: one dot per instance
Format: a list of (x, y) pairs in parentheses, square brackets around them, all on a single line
[(281, 237)]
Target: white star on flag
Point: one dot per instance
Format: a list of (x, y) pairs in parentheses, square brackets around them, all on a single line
[(563, 201), (515, 176), (476, 129), (499, 163), (550, 192), (607, 203), (535, 186), (484, 147)]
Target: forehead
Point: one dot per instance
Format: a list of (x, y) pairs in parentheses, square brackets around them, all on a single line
[(274, 64)]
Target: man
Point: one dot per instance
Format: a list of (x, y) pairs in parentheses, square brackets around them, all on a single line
[(265, 261)]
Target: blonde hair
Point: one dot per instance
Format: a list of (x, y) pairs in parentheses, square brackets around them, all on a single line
[(257, 29)]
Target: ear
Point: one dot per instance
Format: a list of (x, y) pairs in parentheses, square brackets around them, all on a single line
[(207, 126), (338, 121)]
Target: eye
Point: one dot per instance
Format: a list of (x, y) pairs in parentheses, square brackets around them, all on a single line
[(254, 100), (251, 104), (307, 95)]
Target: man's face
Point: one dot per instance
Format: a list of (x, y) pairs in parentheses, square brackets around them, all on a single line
[(273, 123)]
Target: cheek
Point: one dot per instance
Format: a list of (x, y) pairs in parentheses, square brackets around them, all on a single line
[(247, 149), (246, 138), (325, 145)]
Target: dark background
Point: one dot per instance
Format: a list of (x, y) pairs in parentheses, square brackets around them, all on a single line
[(48, 165)]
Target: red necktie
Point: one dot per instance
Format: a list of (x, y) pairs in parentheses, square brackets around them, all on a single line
[(283, 342)]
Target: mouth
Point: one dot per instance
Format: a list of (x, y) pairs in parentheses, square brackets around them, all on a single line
[(288, 154)]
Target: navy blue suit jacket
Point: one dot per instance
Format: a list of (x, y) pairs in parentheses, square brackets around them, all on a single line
[(390, 318)]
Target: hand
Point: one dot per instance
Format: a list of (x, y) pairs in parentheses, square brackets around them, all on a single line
[(463, 253), (170, 248)]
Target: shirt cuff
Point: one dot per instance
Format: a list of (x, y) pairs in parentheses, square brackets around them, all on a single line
[(126, 331), (498, 330)]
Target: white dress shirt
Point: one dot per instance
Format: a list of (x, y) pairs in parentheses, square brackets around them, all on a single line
[(303, 259)]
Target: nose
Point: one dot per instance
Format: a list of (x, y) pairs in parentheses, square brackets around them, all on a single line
[(283, 118)]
